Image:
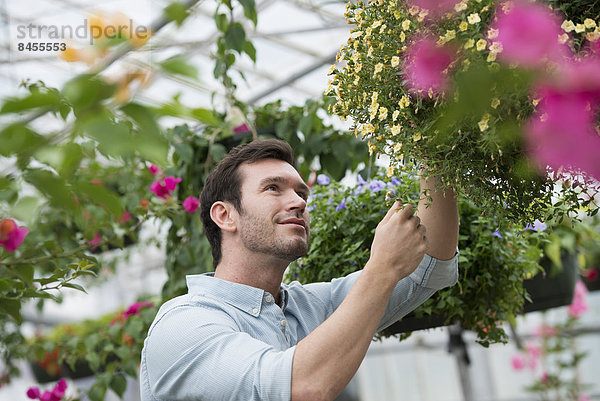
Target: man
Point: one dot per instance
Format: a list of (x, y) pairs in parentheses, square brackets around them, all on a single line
[(240, 334)]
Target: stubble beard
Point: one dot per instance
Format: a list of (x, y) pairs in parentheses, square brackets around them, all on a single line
[(258, 235)]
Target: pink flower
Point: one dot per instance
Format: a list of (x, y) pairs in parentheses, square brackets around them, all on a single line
[(534, 352), (154, 170), (241, 128), (190, 204), (427, 65), (579, 305), (163, 188), (125, 217), (544, 331), (11, 236), (435, 8), (544, 378), (134, 309), (96, 240), (33, 393), (529, 34), (518, 362), (584, 397), (562, 132)]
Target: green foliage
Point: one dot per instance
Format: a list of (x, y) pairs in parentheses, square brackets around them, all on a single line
[(491, 269)]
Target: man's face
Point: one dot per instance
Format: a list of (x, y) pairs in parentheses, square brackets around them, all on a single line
[(274, 219)]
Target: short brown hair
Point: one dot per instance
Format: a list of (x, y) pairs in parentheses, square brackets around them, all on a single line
[(223, 183)]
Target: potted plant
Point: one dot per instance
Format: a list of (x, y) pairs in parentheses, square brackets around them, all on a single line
[(441, 82), (493, 261)]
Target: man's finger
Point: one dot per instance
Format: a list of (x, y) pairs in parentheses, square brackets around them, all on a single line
[(395, 207)]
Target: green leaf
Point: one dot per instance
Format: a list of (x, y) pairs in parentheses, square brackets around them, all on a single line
[(97, 392), (222, 22), (18, 138), (31, 101), (52, 186), (249, 10), (235, 37), (178, 65), (12, 307), (86, 91), (205, 116), (26, 209), (250, 50), (176, 12), (143, 117), (118, 384), (75, 286), (100, 195)]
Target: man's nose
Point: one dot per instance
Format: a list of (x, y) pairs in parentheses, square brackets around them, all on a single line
[(297, 201)]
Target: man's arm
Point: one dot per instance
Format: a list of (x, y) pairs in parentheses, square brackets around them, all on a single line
[(440, 218), (325, 360)]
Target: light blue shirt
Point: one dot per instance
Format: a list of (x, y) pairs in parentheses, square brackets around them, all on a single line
[(228, 341)]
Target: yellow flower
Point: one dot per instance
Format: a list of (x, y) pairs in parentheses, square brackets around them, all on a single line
[(397, 146), (390, 171), (463, 26), (450, 34), (483, 124), (395, 115), (395, 61), (462, 6), (481, 43), (562, 39), (535, 102), (589, 23), (470, 43), (417, 137), (356, 35), (372, 148), (397, 14), (491, 57), (492, 33), (376, 24), (405, 25), (592, 36), (395, 129), (402, 37), (496, 47), (383, 112), (331, 70), (370, 51), (358, 67), (473, 18), (568, 26), (355, 82), (373, 111), (422, 15), (404, 102), (579, 28), (413, 10), (495, 102), (367, 129), (378, 69), (374, 97)]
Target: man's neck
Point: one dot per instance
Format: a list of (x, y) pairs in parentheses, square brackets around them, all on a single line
[(254, 272)]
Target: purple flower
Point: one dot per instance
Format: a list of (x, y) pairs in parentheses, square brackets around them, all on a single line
[(395, 181), (341, 206), (537, 226), (376, 185), (360, 181), (497, 234), (322, 179)]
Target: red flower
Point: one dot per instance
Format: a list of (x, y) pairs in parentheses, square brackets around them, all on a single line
[(11, 236), (591, 274), (154, 170)]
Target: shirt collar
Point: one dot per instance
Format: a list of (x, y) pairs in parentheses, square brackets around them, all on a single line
[(244, 297)]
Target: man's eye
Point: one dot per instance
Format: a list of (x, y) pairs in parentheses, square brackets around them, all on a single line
[(271, 188)]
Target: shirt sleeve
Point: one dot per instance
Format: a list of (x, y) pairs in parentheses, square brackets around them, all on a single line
[(431, 275), (193, 353)]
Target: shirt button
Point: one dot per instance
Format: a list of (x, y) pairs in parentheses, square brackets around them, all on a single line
[(283, 323), (268, 298), (255, 311)]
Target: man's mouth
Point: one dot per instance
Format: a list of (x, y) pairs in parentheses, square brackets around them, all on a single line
[(295, 222)]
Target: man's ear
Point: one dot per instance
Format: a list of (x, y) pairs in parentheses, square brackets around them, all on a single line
[(223, 214)]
